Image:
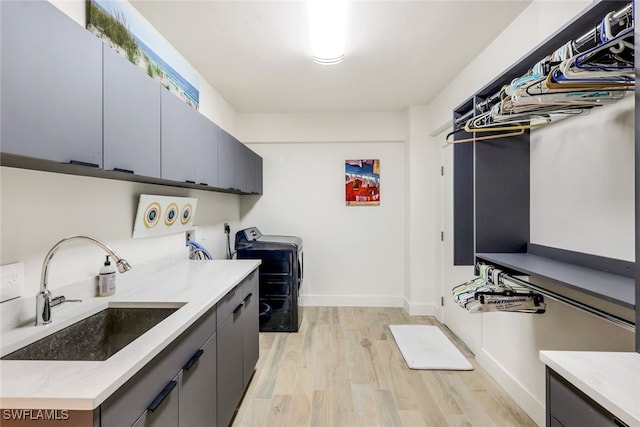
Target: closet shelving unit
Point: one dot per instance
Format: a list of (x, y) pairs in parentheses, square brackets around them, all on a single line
[(488, 173)]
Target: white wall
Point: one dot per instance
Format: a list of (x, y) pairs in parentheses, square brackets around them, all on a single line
[(353, 254), (581, 197), (582, 186), (39, 208)]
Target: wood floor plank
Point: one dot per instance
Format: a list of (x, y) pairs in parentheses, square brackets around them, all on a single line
[(343, 368)]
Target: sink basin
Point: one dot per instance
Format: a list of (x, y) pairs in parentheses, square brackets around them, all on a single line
[(95, 338)]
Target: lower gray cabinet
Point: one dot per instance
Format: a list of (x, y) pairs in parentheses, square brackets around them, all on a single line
[(163, 410), (250, 328), (157, 381), (199, 379), (197, 387), (569, 407), (238, 350), (229, 368)]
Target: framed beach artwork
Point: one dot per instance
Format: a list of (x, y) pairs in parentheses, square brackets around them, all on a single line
[(123, 28), (362, 182)]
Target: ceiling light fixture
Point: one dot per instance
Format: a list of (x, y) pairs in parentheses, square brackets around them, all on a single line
[(327, 27)]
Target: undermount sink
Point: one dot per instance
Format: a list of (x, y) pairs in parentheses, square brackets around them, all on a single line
[(97, 337)]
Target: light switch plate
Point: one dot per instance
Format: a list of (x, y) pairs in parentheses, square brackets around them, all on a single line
[(12, 281)]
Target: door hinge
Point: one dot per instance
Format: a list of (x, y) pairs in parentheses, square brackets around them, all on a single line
[(442, 301), (442, 236), (442, 170)]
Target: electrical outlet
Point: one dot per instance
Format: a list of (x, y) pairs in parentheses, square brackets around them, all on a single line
[(12, 281)]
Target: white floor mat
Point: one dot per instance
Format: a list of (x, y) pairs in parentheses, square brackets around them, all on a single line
[(427, 347)]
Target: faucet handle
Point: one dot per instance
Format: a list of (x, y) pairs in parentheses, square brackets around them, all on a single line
[(62, 299)]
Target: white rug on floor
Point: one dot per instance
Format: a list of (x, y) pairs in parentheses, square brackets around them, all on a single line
[(427, 347)]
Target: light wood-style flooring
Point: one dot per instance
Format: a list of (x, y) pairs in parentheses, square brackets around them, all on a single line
[(343, 368)]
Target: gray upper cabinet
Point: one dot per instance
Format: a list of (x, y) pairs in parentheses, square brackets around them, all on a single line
[(66, 98), (238, 166), (227, 155), (189, 143), (179, 136), (259, 181), (51, 72), (131, 117), (245, 173), (207, 155)]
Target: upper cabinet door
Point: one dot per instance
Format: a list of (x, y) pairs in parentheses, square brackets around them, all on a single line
[(258, 168), (227, 159), (180, 131), (207, 154), (131, 117), (51, 74)]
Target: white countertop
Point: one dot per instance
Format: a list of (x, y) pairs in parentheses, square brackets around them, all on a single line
[(611, 379), (84, 385)]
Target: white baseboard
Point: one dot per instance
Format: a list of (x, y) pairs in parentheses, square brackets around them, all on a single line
[(351, 301), (527, 401), (419, 309)]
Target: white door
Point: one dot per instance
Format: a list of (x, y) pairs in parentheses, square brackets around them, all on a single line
[(468, 327)]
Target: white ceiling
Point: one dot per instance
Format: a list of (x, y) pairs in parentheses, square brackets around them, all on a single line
[(398, 53)]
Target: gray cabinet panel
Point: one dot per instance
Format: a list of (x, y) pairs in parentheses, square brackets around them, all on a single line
[(198, 399), (131, 117), (250, 335), (230, 303), (258, 167), (179, 136), (568, 407), (227, 158), (242, 173), (230, 364), (207, 154), (166, 412), (51, 73)]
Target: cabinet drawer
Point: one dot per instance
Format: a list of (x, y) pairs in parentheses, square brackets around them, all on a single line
[(569, 407), (250, 284), (133, 398), (227, 305)]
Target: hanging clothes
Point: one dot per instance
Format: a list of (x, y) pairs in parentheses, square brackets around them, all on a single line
[(488, 292)]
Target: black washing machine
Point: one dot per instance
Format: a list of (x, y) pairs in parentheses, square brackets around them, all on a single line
[(281, 276)]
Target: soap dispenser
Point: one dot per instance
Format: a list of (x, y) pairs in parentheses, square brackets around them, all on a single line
[(107, 279)]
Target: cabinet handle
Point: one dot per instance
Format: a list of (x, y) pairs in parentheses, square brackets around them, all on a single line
[(164, 393), (248, 297), (189, 181), (81, 163), (203, 183), (193, 360), (123, 170), (238, 308)]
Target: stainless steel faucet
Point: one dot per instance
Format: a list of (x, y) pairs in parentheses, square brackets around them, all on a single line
[(43, 299)]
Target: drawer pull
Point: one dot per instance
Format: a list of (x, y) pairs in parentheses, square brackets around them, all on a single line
[(163, 394), (193, 360), (248, 297), (238, 308), (204, 183), (81, 163), (619, 422), (188, 181), (123, 170)]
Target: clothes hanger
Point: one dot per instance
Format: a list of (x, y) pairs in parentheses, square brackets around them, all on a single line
[(481, 138)]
